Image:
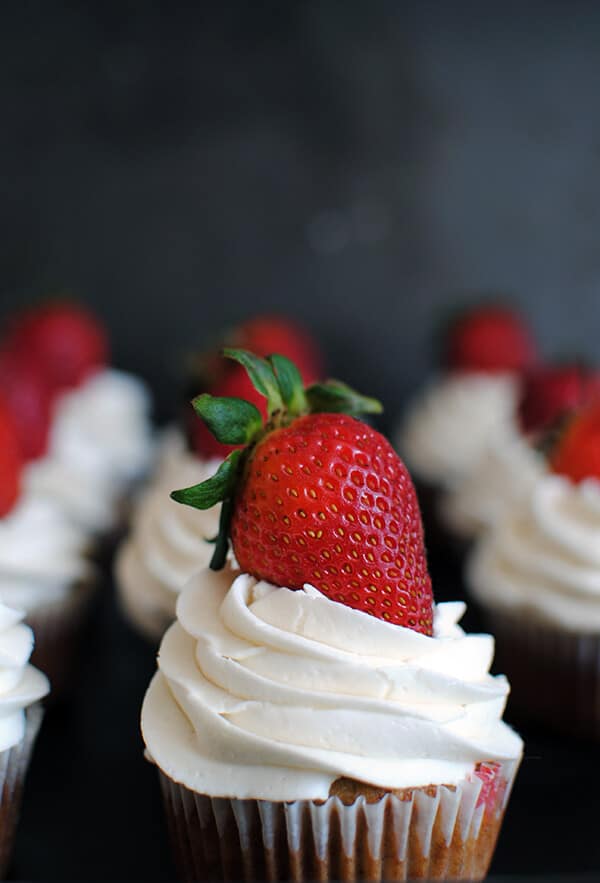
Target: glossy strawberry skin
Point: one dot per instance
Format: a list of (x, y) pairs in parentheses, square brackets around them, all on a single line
[(577, 452), (492, 340), (64, 339), (552, 390), (327, 501), (10, 460), (29, 398)]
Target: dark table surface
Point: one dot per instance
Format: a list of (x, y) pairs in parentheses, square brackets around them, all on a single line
[(92, 808)]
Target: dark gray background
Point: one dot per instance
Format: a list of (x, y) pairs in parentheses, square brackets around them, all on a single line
[(360, 165)]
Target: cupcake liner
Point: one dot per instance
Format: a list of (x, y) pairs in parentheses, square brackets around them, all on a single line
[(554, 674), (13, 767), (437, 832), (57, 629)]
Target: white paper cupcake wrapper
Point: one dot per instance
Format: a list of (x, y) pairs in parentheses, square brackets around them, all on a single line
[(13, 767), (434, 833)]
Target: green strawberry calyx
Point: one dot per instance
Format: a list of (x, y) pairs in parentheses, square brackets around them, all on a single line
[(234, 421)]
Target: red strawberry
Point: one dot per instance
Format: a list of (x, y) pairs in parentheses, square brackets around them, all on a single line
[(65, 339), (320, 498), (10, 460), (274, 334), (28, 396), (262, 335), (492, 339), (577, 451), (493, 784), (552, 390)]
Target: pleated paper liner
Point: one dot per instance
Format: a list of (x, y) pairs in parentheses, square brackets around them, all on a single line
[(434, 833), (554, 673), (13, 767), (58, 630)]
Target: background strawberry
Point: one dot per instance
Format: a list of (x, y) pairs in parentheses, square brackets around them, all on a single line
[(29, 397), (320, 499), (10, 460), (577, 451), (492, 339), (262, 335), (550, 391), (65, 340)]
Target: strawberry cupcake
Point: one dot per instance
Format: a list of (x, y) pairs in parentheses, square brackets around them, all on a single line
[(167, 543), (21, 688), (44, 567), (315, 715), (513, 461), (449, 425), (84, 428), (536, 576)]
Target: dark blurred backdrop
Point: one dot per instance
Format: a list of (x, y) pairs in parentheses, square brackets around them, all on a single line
[(360, 165)]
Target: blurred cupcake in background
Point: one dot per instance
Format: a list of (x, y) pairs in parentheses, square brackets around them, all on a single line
[(536, 576), (449, 424), (75, 435), (85, 427), (166, 544), (512, 461), (21, 688)]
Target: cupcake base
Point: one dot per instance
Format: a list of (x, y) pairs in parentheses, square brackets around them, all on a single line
[(554, 674), (437, 832), (57, 630), (13, 767)]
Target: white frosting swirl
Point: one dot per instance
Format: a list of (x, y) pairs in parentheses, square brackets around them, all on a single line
[(505, 474), (449, 425), (272, 694), (20, 683), (100, 440), (42, 554), (545, 556), (167, 542)]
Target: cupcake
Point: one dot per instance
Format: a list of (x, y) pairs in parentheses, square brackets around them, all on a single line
[(166, 542), (315, 715), (165, 545), (44, 566), (449, 425), (536, 576), (84, 428), (512, 461), (21, 688)]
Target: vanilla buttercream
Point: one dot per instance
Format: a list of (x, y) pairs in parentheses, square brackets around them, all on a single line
[(268, 693), (20, 683), (449, 425), (544, 557)]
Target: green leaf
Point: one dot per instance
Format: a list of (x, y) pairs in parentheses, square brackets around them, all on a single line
[(261, 375), (232, 421), (215, 489), (222, 540), (335, 397), (290, 384)]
